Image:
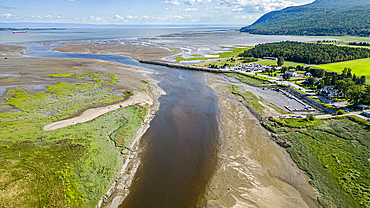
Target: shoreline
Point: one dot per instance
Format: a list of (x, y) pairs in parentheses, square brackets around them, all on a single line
[(114, 200), (255, 165)]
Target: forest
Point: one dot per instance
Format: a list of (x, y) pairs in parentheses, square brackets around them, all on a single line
[(320, 18), (359, 43), (310, 53)]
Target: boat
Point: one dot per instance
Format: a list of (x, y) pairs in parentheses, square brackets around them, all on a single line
[(20, 31)]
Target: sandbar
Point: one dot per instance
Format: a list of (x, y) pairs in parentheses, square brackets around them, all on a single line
[(137, 99)]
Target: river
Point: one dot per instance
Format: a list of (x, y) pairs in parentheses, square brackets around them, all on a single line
[(180, 146)]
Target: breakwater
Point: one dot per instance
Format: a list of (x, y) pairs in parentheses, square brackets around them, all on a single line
[(187, 67), (197, 68)]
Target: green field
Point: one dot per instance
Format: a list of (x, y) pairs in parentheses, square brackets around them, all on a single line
[(274, 62), (334, 153), (248, 79), (67, 167), (252, 100), (360, 67), (234, 52)]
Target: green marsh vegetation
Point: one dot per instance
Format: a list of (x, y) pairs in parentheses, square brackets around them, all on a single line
[(71, 166), (234, 52), (251, 99), (335, 155), (248, 79)]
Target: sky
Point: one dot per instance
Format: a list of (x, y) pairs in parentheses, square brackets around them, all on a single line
[(141, 12)]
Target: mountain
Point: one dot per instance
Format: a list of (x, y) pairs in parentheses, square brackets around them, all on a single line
[(319, 18)]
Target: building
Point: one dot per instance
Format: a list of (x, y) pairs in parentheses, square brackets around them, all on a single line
[(270, 58), (328, 91), (292, 73), (366, 113)]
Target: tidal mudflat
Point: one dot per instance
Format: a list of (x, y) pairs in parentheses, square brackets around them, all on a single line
[(74, 165)]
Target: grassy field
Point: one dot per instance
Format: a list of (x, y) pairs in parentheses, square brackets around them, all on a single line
[(360, 67), (274, 62), (234, 51), (252, 100), (246, 79), (228, 61), (67, 167), (334, 153)]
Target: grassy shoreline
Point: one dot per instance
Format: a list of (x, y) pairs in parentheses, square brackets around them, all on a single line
[(334, 153), (72, 166)]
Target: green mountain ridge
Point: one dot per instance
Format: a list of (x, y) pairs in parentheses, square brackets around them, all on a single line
[(319, 18)]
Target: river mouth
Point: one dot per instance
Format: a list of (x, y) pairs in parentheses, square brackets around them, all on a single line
[(180, 147), (179, 154)]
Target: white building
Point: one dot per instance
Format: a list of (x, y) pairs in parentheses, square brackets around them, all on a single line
[(292, 73)]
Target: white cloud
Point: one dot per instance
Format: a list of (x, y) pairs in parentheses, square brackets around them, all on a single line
[(192, 2), (237, 9), (248, 5), (189, 10), (117, 17), (245, 17), (7, 15), (173, 2)]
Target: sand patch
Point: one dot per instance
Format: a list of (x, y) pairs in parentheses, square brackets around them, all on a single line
[(88, 115)]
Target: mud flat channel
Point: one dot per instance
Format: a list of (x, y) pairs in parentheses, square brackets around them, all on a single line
[(257, 172)]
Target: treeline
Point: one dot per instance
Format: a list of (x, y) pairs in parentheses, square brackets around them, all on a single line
[(310, 53), (347, 85), (314, 20), (359, 44)]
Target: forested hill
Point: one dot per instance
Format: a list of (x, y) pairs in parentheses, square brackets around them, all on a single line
[(320, 18)]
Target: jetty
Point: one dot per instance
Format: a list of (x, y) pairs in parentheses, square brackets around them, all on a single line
[(187, 67)]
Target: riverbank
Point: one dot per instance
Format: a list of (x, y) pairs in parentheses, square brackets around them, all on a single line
[(252, 169), (119, 188)]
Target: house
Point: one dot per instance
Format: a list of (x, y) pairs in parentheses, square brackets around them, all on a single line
[(366, 113), (270, 58), (328, 91), (292, 73), (361, 107)]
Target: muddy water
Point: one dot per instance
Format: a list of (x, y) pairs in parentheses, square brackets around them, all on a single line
[(180, 153)]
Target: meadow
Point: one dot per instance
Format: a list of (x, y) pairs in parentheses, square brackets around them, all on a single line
[(249, 79), (71, 166), (360, 67), (234, 51), (251, 99), (334, 153)]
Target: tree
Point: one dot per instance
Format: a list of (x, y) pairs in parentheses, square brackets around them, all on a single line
[(310, 81), (280, 61), (362, 80), (310, 117), (355, 95), (286, 76)]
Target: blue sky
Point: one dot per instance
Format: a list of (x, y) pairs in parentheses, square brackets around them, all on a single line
[(140, 12)]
